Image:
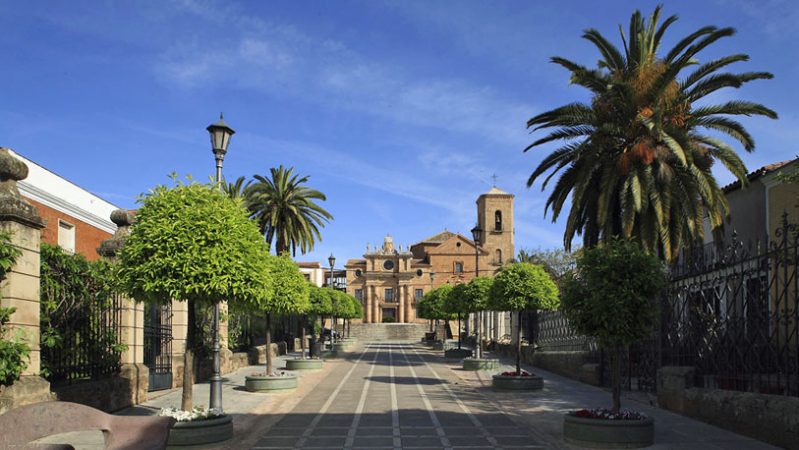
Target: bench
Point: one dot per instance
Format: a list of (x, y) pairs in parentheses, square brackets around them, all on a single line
[(20, 426)]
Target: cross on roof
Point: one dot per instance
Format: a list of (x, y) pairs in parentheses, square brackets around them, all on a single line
[(494, 177)]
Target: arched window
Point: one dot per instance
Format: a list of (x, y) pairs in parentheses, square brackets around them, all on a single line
[(499, 256), (498, 221)]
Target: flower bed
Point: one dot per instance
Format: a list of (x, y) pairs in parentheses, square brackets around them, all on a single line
[(512, 373), (199, 426), (199, 412), (601, 413), (260, 382), (524, 382)]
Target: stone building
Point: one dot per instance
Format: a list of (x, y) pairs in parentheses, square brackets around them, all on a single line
[(390, 279)]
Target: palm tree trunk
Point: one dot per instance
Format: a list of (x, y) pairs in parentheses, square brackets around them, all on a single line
[(519, 343), (268, 318), (188, 359)]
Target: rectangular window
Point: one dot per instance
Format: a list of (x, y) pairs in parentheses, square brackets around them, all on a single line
[(359, 294), (418, 294), (66, 236), (458, 267), (389, 297)]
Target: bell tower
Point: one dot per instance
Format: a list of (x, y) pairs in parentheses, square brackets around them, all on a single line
[(495, 217)]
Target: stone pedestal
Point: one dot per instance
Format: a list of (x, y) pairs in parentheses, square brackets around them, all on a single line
[(20, 289)]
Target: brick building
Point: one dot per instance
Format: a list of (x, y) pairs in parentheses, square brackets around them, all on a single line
[(389, 280), (75, 219)]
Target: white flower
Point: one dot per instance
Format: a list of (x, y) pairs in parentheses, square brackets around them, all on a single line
[(199, 412)]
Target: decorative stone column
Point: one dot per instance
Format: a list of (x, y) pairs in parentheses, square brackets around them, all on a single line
[(180, 328), (403, 290), (376, 303), (367, 306), (20, 290), (131, 326)]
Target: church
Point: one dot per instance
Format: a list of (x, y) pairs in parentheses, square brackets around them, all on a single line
[(390, 279)]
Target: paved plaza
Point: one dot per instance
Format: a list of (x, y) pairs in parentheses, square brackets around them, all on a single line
[(394, 395)]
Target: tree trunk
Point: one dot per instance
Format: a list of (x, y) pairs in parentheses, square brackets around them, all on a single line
[(302, 336), (459, 331), (615, 377), (268, 344), (519, 343)]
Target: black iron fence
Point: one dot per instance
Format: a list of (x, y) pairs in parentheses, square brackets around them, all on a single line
[(158, 345), (85, 342), (730, 311)]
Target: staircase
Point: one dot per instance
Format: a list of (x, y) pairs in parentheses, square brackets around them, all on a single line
[(368, 332)]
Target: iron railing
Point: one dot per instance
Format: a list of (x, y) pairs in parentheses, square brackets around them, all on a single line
[(87, 345)]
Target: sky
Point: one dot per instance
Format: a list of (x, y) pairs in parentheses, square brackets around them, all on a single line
[(401, 112)]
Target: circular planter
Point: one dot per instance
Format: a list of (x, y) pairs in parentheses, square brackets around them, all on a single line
[(603, 433), (199, 432), (304, 364), (329, 354), (480, 364), (513, 383), (256, 383), (438, 345), (457, 353), (341, 346)]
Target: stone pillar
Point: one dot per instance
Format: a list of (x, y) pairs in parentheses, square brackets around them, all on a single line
[(20, 289), (403, 289), (180, 328), (367, 307), (376, 306), (131, 317)]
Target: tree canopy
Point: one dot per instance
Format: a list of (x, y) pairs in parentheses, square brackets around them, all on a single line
[(431, 306), (522, 286), (637, 161), (289, 288), (192, 242), (611, 294), (321, 303)]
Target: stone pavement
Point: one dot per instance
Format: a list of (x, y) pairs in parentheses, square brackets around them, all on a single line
[(392, 395)]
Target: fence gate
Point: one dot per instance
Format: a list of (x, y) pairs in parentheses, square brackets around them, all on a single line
[(158, 345)]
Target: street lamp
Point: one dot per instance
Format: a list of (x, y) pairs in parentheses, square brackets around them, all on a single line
[(432, 278), (220, 138), (477, 236), (332, 260)]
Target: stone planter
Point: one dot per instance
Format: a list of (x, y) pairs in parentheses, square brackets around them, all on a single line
[(328, 354), (198, 432), (304, 364), (513, 383), (438, 345), (457, 353), (603, 433), (341, 346), (255, 383), (480, 364)]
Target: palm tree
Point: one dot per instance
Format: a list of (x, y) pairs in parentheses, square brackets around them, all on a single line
[(637, 159), (237, 189), (286, 210)]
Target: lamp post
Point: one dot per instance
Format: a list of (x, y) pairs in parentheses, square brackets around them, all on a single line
[(477, 236), (332, 260), (220, 138)]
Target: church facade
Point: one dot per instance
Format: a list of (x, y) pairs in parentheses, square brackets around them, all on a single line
[(390, 279)]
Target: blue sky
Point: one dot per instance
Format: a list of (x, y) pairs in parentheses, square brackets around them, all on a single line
[(399, 111)]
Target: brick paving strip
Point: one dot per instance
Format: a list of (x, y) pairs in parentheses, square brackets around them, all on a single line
[(442, 435)]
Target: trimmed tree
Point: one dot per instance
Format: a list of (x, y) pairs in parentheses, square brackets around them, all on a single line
[(475, 296), (611, 297), (289, 296), (519, 287), (320, 305), (433, 305), (193, 243), (455, 303)]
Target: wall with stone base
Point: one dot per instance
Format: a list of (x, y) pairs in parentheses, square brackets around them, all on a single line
[(770, 418), (28, 389), (109, 394), (572, 365)]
